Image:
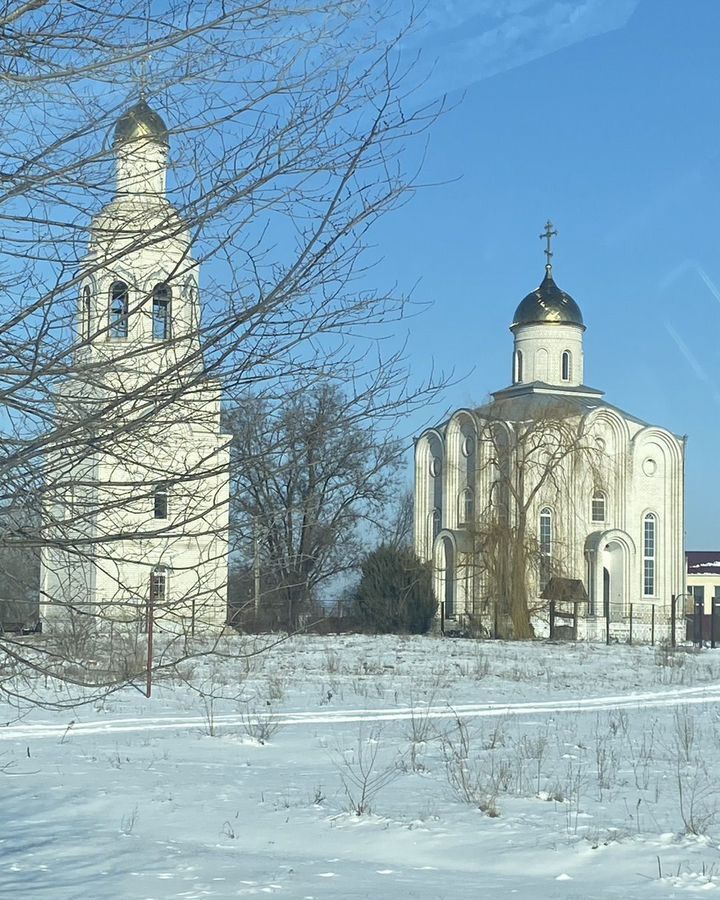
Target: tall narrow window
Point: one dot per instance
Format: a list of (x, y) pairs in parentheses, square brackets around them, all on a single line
[(566, 365), (546, 539), (119, 310), (540, 370), (161, 501), (434, 525), (86, 313), (466, 507), (649, 554), (161, 312), (518, 366), (158, 584), (598, 506)]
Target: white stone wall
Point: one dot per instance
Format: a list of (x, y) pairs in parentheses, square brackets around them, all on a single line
[(542, 347), (639, 469)]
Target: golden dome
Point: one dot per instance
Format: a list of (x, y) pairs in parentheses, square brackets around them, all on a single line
[(548, 304), (140, 122)]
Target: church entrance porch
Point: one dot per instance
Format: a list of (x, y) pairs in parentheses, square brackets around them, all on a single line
[(445, 581), (614, 601), (610, 557)]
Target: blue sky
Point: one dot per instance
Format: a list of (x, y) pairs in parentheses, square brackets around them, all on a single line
[(603, 115)]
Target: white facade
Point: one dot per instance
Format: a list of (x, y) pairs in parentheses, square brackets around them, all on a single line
[(137, 505), (599, 491)]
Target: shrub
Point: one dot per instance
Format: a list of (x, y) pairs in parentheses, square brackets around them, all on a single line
[(395, 592)]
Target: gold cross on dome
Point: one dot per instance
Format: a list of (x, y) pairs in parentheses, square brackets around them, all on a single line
[(140, 74), (143, 79), (549, 233)]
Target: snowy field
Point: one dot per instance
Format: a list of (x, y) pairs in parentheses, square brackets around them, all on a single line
[(355, 767)]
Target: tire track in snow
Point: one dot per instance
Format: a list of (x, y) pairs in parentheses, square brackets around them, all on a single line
[(676, 697)]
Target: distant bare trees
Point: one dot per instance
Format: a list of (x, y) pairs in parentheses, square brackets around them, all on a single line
[(309, 472)]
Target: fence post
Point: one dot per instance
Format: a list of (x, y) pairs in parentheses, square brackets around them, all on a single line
[(607, 624), (495, 633), (552, 619), (631, 624), (150, 624), (442, 617), (713, 606), (673, 600), (652, 625), (698, 623)]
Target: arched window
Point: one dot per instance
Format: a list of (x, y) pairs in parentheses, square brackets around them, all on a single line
[(598, 506), (159, 584), (434, 526), (161, 312), (466, 506), (518, 367), (566, 365), (86, 312), (649, 554), (161, 501), (546, 539), (540, 370), (191, 295), (118, 310)]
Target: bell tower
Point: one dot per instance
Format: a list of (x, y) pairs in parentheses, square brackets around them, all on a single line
[(141, 512), (139, 293)]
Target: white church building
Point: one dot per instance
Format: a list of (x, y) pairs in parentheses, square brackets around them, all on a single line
[(136, 509), (587, 499)]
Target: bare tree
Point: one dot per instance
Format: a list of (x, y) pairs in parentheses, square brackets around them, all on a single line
[(536, 451), (286, 124), (398, 530), (309, 472)]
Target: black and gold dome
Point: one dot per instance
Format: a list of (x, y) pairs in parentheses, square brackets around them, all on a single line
[(548, 305), (140, 122)]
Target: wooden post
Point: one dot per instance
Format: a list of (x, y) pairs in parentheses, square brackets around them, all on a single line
[(150, 623), (495, 634), (256, 573), (631, 624), (442, 617), (552, 619)]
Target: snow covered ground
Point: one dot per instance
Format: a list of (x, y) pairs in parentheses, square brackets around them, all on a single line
[(356, 767)]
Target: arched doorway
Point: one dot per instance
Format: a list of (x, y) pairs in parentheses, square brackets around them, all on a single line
[(614, 588), (449, 579), (445, 575)]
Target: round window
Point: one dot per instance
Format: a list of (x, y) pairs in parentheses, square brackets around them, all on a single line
[(649, 466), (435, 466), (468, 445)]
